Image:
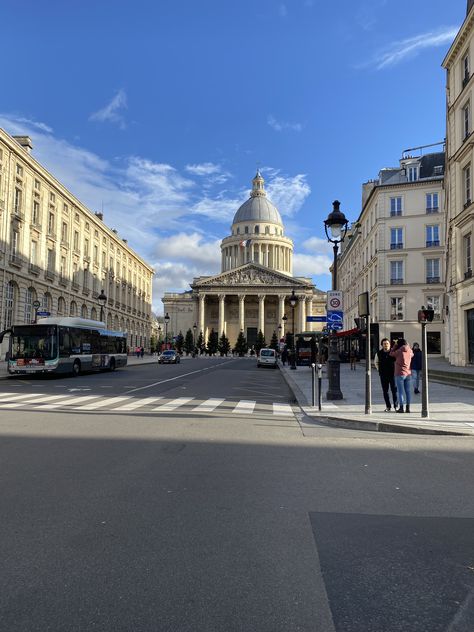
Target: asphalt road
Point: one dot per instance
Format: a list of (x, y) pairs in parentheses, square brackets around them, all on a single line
[(195, 502)]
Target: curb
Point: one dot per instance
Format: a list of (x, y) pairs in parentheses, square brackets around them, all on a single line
[(357, 424)]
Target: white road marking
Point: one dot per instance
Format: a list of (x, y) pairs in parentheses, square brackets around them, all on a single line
[(15, 396), (101, 403), (208, 406), (245, 407), (138, 403), (68, 402), (173, 404), (34, 400), (282, 409)]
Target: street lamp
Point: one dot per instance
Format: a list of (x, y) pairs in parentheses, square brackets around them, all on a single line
[(167, 320), (102, 300), (194, 338), (293, 301), (335, 227), (424, 316)]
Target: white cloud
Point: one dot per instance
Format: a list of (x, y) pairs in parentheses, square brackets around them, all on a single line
[(191, 248), (112, 111), (280, 126), (220, 208), (203, 169), (288, 193), (315, 260), (404, 49)]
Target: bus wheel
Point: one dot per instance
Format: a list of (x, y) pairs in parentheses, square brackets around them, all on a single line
[(112, 364), (76, 368)]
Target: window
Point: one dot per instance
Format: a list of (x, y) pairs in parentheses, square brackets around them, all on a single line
[(86, 247), (51, 224), (76, 241), (73, 309), (17, 202), (396, 238), (465, 69), (64, 232), (63, 267), (396, 272), (396, 308), (432, 271), (432, 236), (257, 230), (37, 185), (96, 234), (35, 213), (267, 230), (29, 298), (433, 341), (52, 198), (15, 242), (86, 226), (466, 172), (76, 217), (61, 306), (96, 254), (65, 209), (46, 302), (86, 278), (434, 303), (50, 260), (34, 252), (395, 206), (412, 174), (84, 313), (246, 230), (432, 203), (19, 171), (467, 255), (9, 304), (466, 120)]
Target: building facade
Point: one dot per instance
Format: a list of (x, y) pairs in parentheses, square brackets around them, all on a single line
[(252, 291), (55, 251), (396, 251), (459, 194)]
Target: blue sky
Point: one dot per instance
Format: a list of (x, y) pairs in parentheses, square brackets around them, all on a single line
[(160, 112)]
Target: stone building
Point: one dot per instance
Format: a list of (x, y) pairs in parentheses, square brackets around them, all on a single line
[(55, 251), (251, 292)]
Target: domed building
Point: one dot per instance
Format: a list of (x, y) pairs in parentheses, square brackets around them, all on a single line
[(252, 291)]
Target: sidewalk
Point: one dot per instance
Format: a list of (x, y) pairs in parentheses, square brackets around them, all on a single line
[(451, 408)]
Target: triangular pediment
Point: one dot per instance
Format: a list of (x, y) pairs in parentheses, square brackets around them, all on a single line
[(251, 274)]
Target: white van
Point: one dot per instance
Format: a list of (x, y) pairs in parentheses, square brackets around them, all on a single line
[(267, 357)]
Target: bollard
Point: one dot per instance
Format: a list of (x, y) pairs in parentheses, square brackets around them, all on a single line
[(313, 384), (320, 380)]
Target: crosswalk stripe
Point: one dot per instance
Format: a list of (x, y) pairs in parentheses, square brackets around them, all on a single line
[(68, 402), (244, 406), (103, 402), (173, 404), (33, 400), (282, 409), (138, 403), (208, 406), (15, 397)]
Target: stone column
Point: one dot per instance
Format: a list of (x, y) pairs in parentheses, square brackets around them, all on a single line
[(222, 260), (221, 314), (281, 313), (242, 312), (261, 313), (302, 312), (309, 312), (267, 256), (202, 312)]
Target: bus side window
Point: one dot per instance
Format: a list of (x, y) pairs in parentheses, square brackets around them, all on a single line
[(76, 335), (95, 341), (64, 343)]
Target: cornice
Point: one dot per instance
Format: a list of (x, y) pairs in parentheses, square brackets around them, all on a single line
[(459, 40)]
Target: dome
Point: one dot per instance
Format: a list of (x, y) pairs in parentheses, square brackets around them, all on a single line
[(258, 208)]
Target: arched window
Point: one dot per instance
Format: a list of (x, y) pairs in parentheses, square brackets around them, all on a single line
[(61, 306), (73, 309), (257, 230), (267, 230), (93, 313), (30, 296), (116, 323), (109, 321), (10, 302), (84, 312), (47, 302), (238, 230), (246, 230)]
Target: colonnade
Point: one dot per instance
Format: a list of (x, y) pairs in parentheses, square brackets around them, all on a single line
[(270, 255)]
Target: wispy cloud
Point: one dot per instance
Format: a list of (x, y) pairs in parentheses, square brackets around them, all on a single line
[(288, 193), (203, 169), (400, 51), (280, 126), (112, 112)]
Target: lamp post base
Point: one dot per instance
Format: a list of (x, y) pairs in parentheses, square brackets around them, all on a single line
[(334, 372)]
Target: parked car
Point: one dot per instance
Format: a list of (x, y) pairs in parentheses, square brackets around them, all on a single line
[(267, 357), (169, 357)]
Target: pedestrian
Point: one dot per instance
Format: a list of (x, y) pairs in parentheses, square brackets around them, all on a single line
[(403, 354), (137, 351), (284, 356), (416, 367), (142, 352), (353, 358), (385, 365)]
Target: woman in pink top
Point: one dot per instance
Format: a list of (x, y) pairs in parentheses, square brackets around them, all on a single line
[(403, 354)]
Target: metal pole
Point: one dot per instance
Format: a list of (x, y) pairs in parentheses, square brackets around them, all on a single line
[(334, 366), (313, 384), (425, 409), (368, 372), (320, 380), (293, 354)]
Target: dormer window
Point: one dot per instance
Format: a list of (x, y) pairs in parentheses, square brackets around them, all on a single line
[(413, 173)]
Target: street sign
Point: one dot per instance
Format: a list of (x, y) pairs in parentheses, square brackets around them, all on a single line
[(334, 300), (43, 314), (36, 304), (335, 317), (316, 319), (337, 326)]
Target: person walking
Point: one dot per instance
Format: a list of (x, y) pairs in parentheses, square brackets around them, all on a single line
[(403, 354), (142, 352), (284, 356), (385, 365), (416, 367), (353, 358)]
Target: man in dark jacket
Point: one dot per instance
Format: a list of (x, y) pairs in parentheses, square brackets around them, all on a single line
[(415, 366), (385, 365)]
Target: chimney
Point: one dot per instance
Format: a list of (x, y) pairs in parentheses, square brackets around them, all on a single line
[(125, 241), (100, 215), (25, 142)]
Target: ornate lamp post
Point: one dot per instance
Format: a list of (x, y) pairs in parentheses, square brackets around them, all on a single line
[(293, 301), (335, 227), (102, 300), (159, 337), (167, 320)]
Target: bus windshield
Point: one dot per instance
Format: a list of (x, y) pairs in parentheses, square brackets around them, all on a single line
[(38, 341)]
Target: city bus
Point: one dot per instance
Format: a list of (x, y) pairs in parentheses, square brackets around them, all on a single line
[(64, 345)]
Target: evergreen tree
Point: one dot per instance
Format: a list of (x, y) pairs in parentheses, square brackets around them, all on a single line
[(189, 342), (241, 346), (212, 343), (200, 342), (260, 344), (153, 344), (274, 342), (179, 342), (224, 345)]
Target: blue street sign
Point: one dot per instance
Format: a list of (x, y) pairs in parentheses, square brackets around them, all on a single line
[(316, 319), (43, 314), (335, 317), (336, 326)]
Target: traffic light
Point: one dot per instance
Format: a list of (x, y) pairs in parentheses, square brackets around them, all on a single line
[(425, 315)]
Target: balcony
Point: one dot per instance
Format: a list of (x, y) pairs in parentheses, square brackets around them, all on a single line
[(433, 279), (87, 259), (75, 285), (432, 209), (117, 304), (468, 274), (396, 281), (63, 280), (18, 214), (397, 246), (395, 213), (65, 243), (16, 260), (467, 203), (432, 244), (49, 275), (35, 225), (33, 269), (51, 235)]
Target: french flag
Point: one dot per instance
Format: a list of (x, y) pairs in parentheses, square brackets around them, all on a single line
[(245, 243)]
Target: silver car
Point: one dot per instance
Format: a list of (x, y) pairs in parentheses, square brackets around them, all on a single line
[(267, 357), (169, 357)]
